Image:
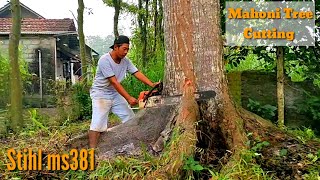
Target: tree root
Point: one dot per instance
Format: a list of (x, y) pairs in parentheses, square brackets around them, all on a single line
[(184, 137), (197, 130)]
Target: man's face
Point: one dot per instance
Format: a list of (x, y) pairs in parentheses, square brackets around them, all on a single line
[(122, 50)]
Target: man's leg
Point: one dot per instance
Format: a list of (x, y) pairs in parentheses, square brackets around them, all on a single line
[(121, 108), (99, 122), (93, 138)]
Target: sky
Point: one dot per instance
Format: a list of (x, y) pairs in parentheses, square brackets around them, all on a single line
[(99, 23)]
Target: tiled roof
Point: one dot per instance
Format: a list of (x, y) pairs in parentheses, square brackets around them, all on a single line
[(7, 7), (39, 26)]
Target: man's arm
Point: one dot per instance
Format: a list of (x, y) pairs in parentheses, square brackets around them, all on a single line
[(144, 79), (114, 82)]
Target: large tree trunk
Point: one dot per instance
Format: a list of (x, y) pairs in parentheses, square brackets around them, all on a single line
[(193, 41), (15, 77), (194, 63), (187, 37), (82, 41)]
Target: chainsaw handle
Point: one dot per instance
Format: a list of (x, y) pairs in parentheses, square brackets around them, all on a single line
[(158, 86)]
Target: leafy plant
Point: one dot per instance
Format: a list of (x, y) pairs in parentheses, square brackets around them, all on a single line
[(5, 78), (250, 62), (82, 105), (73, 103), (154, 71), (296, 70), (266, 111), (260, 145), (245, 168), (191, 164), (313, 104), (283, 152), (305, 134), (35, 119)]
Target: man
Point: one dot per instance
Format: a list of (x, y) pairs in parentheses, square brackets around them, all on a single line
[(107, 93)]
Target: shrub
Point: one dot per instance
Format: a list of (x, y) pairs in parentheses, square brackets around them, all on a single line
[(5, 77)]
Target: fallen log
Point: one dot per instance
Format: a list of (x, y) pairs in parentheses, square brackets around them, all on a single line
[(127, 138)]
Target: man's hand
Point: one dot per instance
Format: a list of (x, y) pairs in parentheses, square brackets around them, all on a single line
[(155, 84), (132, 101), (144, 79)]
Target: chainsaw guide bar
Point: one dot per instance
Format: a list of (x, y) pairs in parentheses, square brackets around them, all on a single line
[(155, 101)]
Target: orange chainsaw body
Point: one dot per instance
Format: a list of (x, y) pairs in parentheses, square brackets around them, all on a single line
[(142, 97)]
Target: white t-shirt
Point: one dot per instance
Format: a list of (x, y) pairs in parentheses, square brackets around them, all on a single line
[(101, 87)]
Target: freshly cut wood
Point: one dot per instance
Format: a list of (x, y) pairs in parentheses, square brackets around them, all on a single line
[(127, 138)]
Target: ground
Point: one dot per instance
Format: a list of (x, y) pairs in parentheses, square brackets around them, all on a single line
[(296, 156)]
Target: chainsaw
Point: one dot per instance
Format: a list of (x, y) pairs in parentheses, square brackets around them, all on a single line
[(154, 98)]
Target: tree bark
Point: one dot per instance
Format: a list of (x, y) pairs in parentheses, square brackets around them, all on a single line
[(184, 145), (15, 76), (193, 41), (280, 86), (160, 23), (155, 24), (194, 63), (127, 138), (143, 24), (82, 42), (117, 7), (144, 34), (187, 38)]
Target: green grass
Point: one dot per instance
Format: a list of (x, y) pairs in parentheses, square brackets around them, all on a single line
[(304, 134), (51, 139)]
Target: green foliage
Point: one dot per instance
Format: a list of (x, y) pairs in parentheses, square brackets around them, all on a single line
[(35, 136), (125, 168), (266, 111), (154, 71), (296, 70), (312, 175), (36, 119), (79, 174), (234, 55), (316, 80), (5, 78), (314, 170), (73, 103), (82, 106), (304, 134), (250, 62), (245, 167), (283, 152), (311, 108), (302, 63), (125, 6), (192, 165), (258, 146)]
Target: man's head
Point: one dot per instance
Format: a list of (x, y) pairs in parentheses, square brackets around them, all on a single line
[(121, 46)]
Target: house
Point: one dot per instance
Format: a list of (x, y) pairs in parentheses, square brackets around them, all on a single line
[(53, 43)]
